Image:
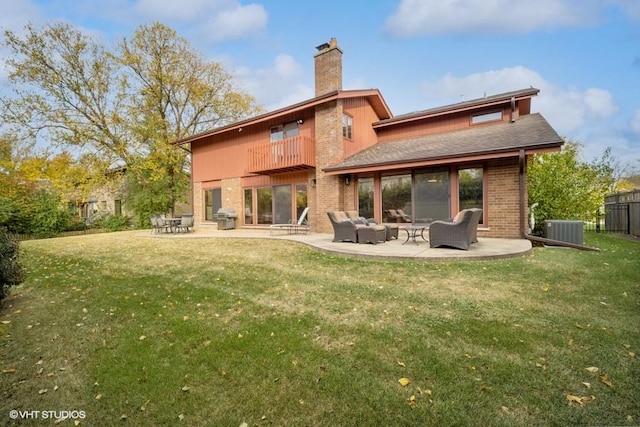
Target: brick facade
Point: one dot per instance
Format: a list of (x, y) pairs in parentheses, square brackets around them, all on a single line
[(503, 201), (329, 150), (328, 68)]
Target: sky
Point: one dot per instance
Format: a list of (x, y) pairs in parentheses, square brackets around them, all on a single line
[(583, 55)]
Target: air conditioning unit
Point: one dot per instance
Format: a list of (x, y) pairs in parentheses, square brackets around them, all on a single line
[(565, 231)]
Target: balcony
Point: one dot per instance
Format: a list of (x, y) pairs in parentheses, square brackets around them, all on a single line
[(286, 155)]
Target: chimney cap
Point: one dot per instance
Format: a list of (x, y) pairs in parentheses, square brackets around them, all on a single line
[(331, 43)]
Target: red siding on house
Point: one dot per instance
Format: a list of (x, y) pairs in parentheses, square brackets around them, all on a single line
[(226, 155), (363, 134), (437, 124)]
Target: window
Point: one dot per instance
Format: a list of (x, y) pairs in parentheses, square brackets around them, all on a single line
[(248, 206), (301, 199), (365, 197), (282, 204), (396, 194), (486, 117), (265, 205), (347, 126), (470, 188), (212, 203), (432, 195), (288, 130)]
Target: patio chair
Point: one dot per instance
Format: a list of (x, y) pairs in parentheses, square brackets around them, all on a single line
[(405, 217), (459, 233), (295, 227), (394, 214), (344, 228), (186, 222), (158, 224)]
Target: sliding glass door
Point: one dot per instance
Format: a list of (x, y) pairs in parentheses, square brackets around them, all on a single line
[(432, 195)]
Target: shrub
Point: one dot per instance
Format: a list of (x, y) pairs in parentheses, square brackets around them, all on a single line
[(48, 216), (113, 223), (11, 273)]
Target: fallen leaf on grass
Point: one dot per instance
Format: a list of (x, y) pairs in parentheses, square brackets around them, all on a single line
[(43, 391), (9, 371), (404, 381), (185, 388), (580, 400), (6, 322), (401, 364), (605, 379), (592, 369), (412, 401)]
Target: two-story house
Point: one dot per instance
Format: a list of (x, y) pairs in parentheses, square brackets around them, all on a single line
[(344, 150)]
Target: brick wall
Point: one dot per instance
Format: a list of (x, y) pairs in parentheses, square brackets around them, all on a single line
[(328, 68), (198, 203), (329, 149), (232, 197), (503, 199)]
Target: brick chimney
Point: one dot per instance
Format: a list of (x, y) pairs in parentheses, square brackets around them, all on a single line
[(328, 67)]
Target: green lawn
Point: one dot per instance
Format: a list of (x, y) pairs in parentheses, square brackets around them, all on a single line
[(140, 331)]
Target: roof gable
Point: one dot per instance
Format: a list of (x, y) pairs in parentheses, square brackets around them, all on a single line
[(373, 96)]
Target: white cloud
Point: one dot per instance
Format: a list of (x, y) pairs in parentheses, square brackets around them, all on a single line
[(428, 17), (277, 86), (235, 23), (15, 15), (214, 20), (568, 109)]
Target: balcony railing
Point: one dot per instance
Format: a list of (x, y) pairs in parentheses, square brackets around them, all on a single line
[(289, 154)]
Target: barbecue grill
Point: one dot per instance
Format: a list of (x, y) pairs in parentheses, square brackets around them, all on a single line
[(226, 218)]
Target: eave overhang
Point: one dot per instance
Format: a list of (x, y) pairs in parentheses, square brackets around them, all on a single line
[(531, 133), (373, 96)]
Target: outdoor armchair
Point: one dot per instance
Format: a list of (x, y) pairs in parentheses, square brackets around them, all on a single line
[(344, 228), (459, 233)]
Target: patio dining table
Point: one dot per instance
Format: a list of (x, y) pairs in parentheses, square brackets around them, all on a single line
[(413, 231)]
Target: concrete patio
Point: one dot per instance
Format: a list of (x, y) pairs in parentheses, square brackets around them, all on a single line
[(486, 248)]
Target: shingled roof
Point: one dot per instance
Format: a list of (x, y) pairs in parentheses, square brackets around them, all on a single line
[(530, 132)]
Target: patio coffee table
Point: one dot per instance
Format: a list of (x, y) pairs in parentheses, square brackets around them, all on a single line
[(413, 231)]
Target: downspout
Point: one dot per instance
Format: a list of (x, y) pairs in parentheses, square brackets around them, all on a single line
[(513, 109), (523, 202)]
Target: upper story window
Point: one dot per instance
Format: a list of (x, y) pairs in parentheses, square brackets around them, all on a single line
[(486, 117), (347, 126), (288, 130)]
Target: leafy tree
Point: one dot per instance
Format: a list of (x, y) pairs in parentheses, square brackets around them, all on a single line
[(125, 106), (563, 187), (11, 272)]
